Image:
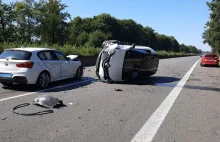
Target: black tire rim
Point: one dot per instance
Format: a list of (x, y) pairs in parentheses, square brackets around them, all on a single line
[(44, 80)]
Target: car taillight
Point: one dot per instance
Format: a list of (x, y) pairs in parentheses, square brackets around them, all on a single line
[(25, 65)]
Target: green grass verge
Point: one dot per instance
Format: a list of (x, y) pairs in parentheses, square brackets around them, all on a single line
[(81, 50)]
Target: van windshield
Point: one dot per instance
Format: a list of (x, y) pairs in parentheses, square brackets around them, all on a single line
[(15, 55)]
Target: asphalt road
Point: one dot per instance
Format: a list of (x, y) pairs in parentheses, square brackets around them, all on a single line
[(180, 103)]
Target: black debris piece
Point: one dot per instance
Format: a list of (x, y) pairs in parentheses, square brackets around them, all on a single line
[(116, 89)]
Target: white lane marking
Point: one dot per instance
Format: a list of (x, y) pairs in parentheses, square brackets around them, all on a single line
[(22, 95), (152, 125)]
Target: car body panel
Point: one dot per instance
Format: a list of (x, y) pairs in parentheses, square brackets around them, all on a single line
[(57, 69), (210, 59), (114, 64)]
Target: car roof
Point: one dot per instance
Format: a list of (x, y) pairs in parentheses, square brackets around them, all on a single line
[(30, 49)]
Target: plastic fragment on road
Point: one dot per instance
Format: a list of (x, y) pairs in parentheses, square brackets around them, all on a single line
[(48, 101)]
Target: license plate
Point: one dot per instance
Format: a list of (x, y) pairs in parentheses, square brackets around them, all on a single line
[(211, 60), (5, 75)]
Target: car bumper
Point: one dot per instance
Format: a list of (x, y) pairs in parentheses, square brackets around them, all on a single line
[(16, 79), (19, 78), (210, 62)]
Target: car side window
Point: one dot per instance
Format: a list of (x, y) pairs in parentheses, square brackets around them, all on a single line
[(60, 56), (49, 55), (42, 56)]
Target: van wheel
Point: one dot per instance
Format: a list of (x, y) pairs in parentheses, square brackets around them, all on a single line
[(79, 73), (43, 80)]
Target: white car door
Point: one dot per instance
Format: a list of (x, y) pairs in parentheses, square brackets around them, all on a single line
[(67, 66), (52, 64)]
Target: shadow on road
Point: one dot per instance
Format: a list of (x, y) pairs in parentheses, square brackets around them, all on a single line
[(211, 66), (57, 86), (153, 80), (169, 82), (202, 88)]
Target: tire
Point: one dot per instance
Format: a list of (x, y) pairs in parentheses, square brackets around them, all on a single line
[(43, 80), (7, 84), (109, 81), (79, 73), (201, 64)]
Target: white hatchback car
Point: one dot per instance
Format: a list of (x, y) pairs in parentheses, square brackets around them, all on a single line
[(38, 66)]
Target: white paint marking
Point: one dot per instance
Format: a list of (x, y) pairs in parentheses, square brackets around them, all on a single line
[(22, 95), (152, 125)]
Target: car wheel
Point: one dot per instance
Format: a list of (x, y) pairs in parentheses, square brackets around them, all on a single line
[(43, 80), (79, 73), (201, 64), (109, 81), (7, 84)]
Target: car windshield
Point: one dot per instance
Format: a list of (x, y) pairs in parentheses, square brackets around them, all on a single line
[(15, 55)]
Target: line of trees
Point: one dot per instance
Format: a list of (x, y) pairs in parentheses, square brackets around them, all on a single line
[(46, 21), (211, 35)]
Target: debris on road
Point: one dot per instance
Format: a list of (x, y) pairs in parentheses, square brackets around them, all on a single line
[(4, 118), (43, 101), (116, 89), (89, 109), (48, 101), (70, 103)]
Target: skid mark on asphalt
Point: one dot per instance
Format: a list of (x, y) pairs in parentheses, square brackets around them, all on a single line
[(57, 87), (152, 125)]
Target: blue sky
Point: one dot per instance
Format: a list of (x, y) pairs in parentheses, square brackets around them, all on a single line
[(185, 20)]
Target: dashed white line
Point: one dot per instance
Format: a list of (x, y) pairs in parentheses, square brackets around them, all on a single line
[(152, 125), (26, 94)]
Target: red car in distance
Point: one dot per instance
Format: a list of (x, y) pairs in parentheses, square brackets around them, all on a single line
[(209, 59)]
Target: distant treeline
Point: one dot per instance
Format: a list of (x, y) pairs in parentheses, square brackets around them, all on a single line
[(47, 22)]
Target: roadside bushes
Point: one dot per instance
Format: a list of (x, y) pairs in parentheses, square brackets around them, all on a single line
[(85, 50)]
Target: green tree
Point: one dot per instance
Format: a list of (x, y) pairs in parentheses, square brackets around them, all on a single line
[(26, 21), (96, 38), (53, 23), (184, 48), (7, 17), (150, 37), (107, 24), (82, 39), (175, 44), (211, 34)]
